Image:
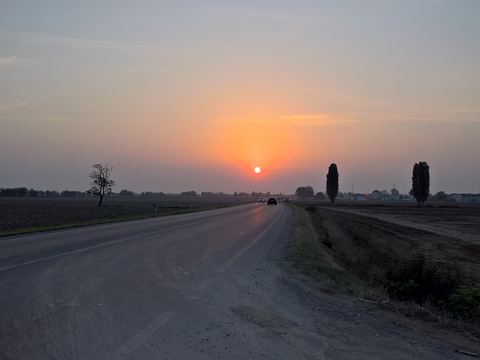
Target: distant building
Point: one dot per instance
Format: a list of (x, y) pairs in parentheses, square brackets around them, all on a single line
[(395, 194), (361, 197), (466, 198), (375, 195), (395, 197)]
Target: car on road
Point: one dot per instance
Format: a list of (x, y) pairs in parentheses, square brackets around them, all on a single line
[(261, 200), (272, 200)]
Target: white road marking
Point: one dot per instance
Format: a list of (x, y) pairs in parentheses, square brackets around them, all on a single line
[(202, 285), (241, 252), (144, 334)]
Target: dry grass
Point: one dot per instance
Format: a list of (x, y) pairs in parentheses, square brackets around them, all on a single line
[(347, 255), (308, 254), (354, 247)]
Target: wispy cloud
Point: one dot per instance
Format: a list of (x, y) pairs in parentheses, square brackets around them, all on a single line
[(471, 115), (14, 61), (371, 119), (470, 111), (302, 120), (35, 118), (318, 119), (364, 119), (384, 119), (76, 42), (143, 70), (268, 15), (7, 107)]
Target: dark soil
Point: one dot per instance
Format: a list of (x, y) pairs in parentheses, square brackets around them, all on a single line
[(447, 234), (18, 213)]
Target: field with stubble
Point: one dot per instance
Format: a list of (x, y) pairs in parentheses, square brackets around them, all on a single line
[(28, 213), (447, 233)]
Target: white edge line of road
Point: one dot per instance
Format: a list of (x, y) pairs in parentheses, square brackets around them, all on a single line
[(109, 243), (202, 285), (248, 246), (142, 335)]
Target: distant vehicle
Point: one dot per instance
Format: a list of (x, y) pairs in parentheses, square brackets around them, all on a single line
[(272, 200), (261, 200)]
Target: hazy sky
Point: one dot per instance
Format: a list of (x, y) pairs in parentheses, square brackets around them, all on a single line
[(193, 95)]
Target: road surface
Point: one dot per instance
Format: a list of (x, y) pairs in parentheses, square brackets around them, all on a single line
[(205, 285)]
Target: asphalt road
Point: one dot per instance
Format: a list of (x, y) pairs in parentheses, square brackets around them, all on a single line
[(132, 289), (205, 285)]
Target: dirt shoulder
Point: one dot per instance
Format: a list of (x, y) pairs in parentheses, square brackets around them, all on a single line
[(376, 330)]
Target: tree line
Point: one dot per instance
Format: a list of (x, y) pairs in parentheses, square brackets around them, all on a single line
[(24, 192), (420, 185), (101, 185)]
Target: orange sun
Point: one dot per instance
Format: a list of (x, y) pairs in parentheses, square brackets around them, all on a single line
[(257, 170)]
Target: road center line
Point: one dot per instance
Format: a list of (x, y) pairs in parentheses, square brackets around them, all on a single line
[(248, 246), (144, 334), (111, 242)]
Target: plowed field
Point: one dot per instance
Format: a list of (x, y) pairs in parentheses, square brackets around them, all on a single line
[(447, 233), (17, 213)]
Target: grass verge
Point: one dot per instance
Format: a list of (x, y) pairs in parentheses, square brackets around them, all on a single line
[(337, 259), (309, 254)]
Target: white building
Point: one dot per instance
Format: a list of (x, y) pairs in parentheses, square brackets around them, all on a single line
[(466, 198)]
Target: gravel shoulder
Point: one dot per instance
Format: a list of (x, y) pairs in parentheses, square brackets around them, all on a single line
[(282, 316)]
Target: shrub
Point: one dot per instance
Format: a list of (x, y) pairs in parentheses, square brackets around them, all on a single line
[(464, 303), (417, 280)]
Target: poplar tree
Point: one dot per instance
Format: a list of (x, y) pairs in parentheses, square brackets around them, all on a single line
[(421, 182), (332, 182)]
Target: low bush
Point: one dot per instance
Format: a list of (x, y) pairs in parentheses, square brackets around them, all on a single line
[(419, 280), (441, 285), (464, 302)]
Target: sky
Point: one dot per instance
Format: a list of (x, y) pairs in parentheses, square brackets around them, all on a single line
[(193, 95)]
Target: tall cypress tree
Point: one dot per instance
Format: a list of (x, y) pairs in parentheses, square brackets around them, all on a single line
[(332, 182), (421, 182)]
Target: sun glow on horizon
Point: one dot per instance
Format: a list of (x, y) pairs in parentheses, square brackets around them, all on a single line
[(268, 146)]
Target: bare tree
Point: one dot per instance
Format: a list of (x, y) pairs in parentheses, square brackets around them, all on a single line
[(101, 182)]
